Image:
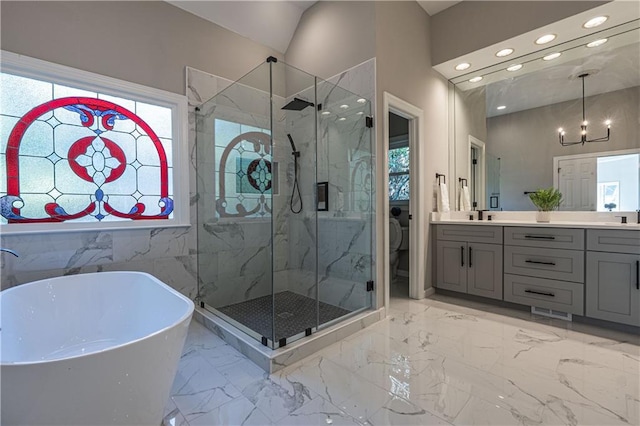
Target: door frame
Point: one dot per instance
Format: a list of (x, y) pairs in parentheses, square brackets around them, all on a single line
[(480, 171), (417, 239)]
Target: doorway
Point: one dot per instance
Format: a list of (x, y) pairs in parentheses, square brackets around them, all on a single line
[(399, 160), (476, 173), (415, 212)]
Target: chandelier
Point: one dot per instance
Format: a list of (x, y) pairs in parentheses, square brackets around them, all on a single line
[(583, 126)]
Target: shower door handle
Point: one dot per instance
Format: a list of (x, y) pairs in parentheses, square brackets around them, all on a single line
[(410, 216)]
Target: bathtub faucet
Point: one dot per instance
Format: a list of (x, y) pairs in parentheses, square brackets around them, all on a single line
[(9, 251)]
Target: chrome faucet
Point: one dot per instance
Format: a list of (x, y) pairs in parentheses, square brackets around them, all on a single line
[(10, 251)]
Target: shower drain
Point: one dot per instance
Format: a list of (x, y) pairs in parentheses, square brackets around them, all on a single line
[(285, 315)]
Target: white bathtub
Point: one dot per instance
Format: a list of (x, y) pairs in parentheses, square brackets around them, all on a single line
[(90, 349)]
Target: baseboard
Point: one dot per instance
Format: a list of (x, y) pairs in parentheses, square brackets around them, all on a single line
[(429, 292)]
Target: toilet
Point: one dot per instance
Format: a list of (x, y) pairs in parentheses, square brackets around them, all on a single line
[(398, 241)]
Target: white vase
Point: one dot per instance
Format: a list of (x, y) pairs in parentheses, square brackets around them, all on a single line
[(543, 216)]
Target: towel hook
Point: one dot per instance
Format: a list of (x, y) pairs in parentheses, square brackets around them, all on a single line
[(463, 182), (440, 175)]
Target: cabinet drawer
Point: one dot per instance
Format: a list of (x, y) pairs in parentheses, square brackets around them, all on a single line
[(565, 265), (614, 240), (471, 233), (550, 294), (562, 238)]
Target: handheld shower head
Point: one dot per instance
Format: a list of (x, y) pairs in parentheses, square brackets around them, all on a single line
[(293, 146)]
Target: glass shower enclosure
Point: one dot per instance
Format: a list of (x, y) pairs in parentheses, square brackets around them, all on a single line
[(285, 194)]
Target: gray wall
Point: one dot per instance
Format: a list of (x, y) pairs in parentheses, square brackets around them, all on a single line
[(403, 57), (527, 141), (472, 25), (145, 42)]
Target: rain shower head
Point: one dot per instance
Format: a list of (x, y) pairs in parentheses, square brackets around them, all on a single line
[(297, 104)]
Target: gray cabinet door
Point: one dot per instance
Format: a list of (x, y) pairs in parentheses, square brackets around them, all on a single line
[(484, 272), (612, 287), (452, 265)]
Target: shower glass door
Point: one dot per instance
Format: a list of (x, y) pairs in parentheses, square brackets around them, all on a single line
[(345, 225), (294, 235)]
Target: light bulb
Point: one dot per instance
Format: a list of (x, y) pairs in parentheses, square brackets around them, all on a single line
[(594, 22), (608, 123), (585, 122), (546, 39), (584, 132), (560, 130)]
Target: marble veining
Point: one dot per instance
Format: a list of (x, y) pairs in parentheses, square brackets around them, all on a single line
[(434, 361)]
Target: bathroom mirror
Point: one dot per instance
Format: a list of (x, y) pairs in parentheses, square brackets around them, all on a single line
[(506, 126)]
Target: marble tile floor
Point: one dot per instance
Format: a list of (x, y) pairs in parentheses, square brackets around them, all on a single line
[(435, 361)]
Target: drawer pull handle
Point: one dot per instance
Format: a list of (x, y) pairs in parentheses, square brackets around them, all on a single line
[(461, 255), (638, 274), (540, 263), (541, 237), (541, 293), (470, 254)]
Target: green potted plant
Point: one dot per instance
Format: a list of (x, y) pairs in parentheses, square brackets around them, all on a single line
[(545, 200)]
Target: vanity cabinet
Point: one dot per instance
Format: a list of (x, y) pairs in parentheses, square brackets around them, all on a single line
[(469, 259), (613, 281), (544, 267)]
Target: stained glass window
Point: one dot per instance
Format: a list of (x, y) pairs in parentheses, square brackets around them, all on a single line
[(71, 154), (245, 173), (399, 174)]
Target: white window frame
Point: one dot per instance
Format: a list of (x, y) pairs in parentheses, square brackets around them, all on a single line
[(58, 74)]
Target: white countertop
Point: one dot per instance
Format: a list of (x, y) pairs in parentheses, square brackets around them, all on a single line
[(552, 224), (584, 220)]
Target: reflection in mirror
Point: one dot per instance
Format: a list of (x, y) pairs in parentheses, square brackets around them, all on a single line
[(516, 117)]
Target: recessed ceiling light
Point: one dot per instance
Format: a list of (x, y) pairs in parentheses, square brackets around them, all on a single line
[(359, 112), (361, 101), (502, 107), (546, 39), (504, 52), (462, 66), (475, 79), (514, 67), (341, 119), (594, 22), (597, 43), (551, 56), (344, 106), (326, 112)]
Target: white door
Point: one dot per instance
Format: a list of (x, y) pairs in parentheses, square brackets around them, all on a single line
[(577, 182)]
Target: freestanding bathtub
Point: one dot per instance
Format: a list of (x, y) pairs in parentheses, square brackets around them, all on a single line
[(90, 349)]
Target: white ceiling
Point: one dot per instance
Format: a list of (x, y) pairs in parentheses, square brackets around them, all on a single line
[(436, 6), (271, 23)]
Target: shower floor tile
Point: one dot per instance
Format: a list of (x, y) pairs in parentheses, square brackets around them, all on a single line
[(294, 313)]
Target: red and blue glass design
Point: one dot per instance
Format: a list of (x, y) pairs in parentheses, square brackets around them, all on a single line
[(98, 160)]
